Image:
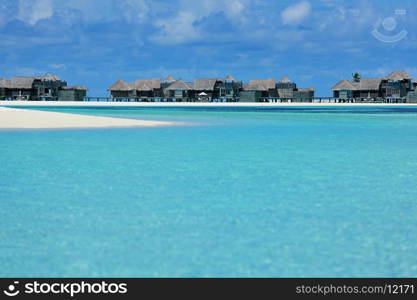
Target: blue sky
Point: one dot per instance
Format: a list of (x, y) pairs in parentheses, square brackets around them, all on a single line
[(315, 43)]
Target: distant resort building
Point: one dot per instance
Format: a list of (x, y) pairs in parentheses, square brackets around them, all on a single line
[(284, 90), (72, 93), (203, 90), (398, 86), (40, 88), (179, 89), (211, 89), (140, 88), (226, 89), (258, 89)]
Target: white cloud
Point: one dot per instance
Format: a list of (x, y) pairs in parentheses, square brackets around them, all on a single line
[(31, 11), (340, 20), (8, 8), (91, 10), (134, 11), (234, 8), (181, 27), (295, 14), (178, 30), (203, 8)]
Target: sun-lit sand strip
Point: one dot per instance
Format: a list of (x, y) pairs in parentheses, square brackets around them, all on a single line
[(12, 118)]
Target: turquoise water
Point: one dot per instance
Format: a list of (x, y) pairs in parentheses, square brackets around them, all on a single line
[(237, 192)]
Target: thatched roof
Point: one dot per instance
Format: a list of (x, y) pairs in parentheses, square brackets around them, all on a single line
[(3, 83), (368, 84), (25, 82), (179, 85), (80, 87), (147, 84), (253, 87), (21, 83), (48, 77), (139, 85), (267, 83), (77, 87), (306, 89), (365, 84), (170, 79), (120, 85), (343, 85), (205, 84), (398, 76), (285, 80), (229, 78)]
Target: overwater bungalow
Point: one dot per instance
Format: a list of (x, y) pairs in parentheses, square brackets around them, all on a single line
[(252, 92), (258, 89), (148, 88), (362, 88), (46, 87), (203, 90), (269, 90), (396, 85), (268, 85), (226, 89), (122, 89), (72, 93), (287, 89), (180, 90), (216, 89), (141, 88), (229, 88), (206, 89), (303, 95)]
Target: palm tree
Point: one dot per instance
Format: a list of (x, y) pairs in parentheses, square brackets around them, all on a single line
[(356, 77)]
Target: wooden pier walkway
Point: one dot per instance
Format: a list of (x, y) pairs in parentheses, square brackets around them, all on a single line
[(333, 100), (265, 100), (152, 99), (269, 99)]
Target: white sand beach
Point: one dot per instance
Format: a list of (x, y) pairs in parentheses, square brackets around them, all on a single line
[(12, 118), (21, 118)]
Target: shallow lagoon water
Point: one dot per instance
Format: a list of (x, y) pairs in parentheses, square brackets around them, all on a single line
[(237, 192)]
